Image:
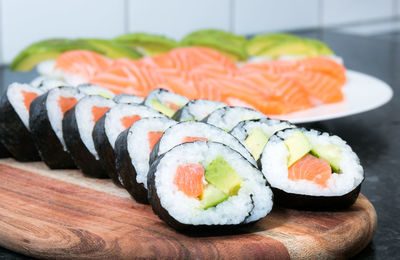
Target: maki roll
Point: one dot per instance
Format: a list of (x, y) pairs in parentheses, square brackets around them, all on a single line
[(110, 125), (308, 169), (93, 90), (48, 84), (164, 101), (132, 152), (207, 185), (77, 127), (128, 99), (254, 134), (45, 121), (197, 110), (228, 117), (191, 131), (14, 121)]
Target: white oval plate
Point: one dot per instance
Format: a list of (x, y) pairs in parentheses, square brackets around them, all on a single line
[(361, 93)]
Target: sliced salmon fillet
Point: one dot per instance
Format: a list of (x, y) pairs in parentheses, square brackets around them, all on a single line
[(323, 65), (28, 97), (312, 169), (189, 179), (85, 64), (66, 103), (154, 136)]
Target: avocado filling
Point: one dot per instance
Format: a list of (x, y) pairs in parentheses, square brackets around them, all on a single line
[(256, 142), (167, 109), (212, 185), (299, 146)]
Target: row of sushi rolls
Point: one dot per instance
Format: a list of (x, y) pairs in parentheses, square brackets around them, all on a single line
[(199, 162)]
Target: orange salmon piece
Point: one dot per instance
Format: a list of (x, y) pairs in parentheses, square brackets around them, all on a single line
[(98, 112), (154, 136), (127, 121), (85, 64), (28, 97), (189, 179), (66, 103), (312, 169), (323, 65), (190, 139)]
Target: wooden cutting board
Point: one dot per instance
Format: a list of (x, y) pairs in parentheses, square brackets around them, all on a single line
[(62, 214)]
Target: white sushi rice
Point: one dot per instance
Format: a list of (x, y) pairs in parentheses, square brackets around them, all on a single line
[(49, 84), (176, 134), (268, 126), (274, 166), (113, 124), (85, 120), (198, 109), (128, 99), (138, 143), (253, 197), (54, 111), (228, 117), (94, 90), (165, 97), (16, 99)]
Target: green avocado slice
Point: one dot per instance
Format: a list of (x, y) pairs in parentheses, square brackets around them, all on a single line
[(256, 142), (331, 153), (160, 107), (223, 176), (227, 43), (257, 44), (148, 44), (114, 50), (298, 146), (48, 49), (212, 196)]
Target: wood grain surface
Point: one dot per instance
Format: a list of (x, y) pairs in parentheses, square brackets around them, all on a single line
[(62, 214)]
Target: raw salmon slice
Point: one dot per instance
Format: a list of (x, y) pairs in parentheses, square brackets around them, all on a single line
[(323, 65), (66, 103), (127, 121), (85, 64), (189, 139), (189, 179), (28, 97), (311, 168)]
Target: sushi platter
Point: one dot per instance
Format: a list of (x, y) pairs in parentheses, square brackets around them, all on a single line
[(62, 214), (183, 153)]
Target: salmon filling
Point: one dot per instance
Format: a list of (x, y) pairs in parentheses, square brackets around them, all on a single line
[(190, 139), (98, 112), (28, 97), (311, 168), (66, 103), (127, 121), (153, 138), (189, 179)]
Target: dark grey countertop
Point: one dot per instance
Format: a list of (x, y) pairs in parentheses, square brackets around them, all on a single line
[(374, 135)]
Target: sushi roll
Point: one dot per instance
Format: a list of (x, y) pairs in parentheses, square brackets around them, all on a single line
[(93, 90), (164, 101), (48, 84), (110, 125), (14, 121), (128, 99), (206, 186), (45, 121), (77, 127), (191, 131), (228, 117), (311, 170), (197, 110), (254, 134), (132, 152)]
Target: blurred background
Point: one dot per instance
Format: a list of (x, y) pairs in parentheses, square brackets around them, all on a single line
[(25, 21)]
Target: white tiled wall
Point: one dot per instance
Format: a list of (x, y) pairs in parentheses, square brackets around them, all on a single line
[(25, 21), (255, 16)]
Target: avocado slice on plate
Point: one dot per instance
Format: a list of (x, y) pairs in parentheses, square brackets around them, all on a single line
[(114, 50), (227, 43), (27, 59), (257, 44), (148, 44)]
